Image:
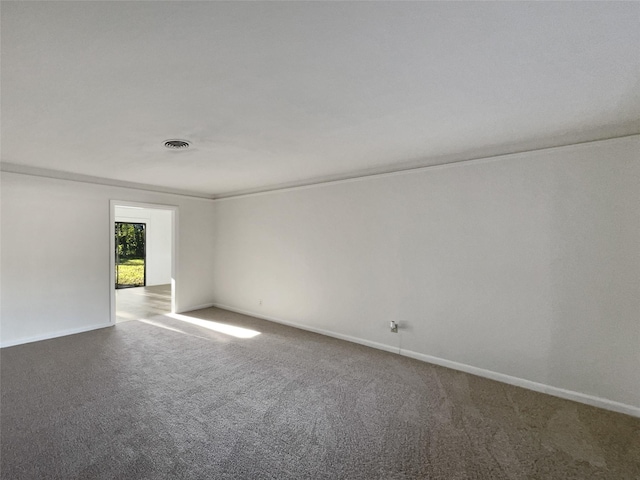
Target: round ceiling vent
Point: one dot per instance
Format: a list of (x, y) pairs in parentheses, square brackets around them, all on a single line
[(176, 144)]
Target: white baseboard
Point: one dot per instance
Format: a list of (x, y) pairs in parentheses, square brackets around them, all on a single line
[(481, 372), (47, 336), (195, 307), (328, 333), (528, 384)]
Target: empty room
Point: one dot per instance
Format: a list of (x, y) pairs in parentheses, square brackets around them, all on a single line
[(320, 240)]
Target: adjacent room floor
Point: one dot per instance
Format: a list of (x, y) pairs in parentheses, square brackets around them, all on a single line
[(218, 395), (142, 302)]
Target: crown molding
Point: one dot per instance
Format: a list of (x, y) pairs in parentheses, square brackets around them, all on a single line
[(77, 177)]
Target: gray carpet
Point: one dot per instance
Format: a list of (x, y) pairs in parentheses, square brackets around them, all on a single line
[(139, 401)]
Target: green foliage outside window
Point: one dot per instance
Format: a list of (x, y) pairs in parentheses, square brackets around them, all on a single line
[(130, 240)]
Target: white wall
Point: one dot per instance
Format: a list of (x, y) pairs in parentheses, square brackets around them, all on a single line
[(524, 268), (158, 240), (56, 254)]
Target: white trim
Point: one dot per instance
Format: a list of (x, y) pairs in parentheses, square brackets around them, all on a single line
[(112, 263), (390, 170), (196, 307), (47, 336), (76, 177), (481, 372), (328, 333), (438, 163), (528, 384), (174, 209)]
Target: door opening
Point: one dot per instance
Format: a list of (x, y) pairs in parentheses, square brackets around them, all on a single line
[(143, 260)]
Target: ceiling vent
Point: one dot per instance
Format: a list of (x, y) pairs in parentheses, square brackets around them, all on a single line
[(176, 144)]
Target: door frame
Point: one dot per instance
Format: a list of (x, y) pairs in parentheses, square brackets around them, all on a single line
[(112, 246)]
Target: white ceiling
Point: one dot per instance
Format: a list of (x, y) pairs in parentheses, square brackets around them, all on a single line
[(274, 94)]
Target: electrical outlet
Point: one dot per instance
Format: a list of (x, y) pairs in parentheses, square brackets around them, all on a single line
[(260, 302), (393, 326)]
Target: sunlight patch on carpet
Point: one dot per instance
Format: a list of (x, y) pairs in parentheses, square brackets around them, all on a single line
[(232, 330)]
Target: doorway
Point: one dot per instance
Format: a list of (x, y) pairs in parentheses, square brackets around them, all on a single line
[(143, 260)]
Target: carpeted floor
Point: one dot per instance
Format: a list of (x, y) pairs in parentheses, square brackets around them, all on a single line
[(170, 399)]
